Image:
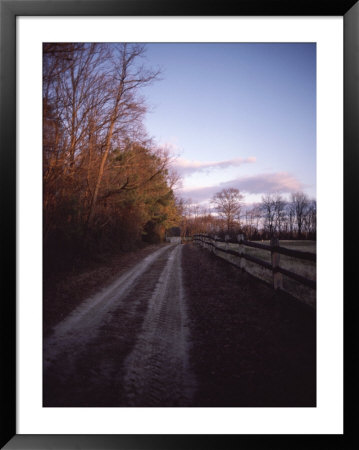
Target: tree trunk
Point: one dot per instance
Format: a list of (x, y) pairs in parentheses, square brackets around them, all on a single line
[(100, 172)]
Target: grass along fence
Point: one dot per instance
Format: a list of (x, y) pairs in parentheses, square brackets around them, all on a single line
[(264, 262)]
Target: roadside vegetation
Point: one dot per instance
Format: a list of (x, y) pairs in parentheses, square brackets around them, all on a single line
[(289, 218), (108, 188), (106, 185)]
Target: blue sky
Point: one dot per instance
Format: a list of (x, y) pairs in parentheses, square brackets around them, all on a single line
[(236, 115)]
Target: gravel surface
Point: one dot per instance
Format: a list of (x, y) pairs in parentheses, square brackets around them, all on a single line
[(157, 371), (127, 345), (177, 326), (64, 291)]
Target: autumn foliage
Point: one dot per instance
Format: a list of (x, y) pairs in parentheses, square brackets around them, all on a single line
[(105, 183)]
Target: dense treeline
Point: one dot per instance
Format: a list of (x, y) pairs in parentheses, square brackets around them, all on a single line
[(105, 184), (292, 218)]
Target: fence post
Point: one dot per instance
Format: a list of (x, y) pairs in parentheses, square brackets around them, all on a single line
[(226, 238), (241, 250), (215, 237), (277, 276), (211, 246)]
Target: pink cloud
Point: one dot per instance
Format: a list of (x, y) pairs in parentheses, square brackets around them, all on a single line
[(186, 167), (266, 183)]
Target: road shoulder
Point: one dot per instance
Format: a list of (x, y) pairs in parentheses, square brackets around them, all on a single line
[(251, 346), (62, 293)]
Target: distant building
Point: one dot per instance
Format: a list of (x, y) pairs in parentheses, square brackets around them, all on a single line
[(174, 239), (173, 235)]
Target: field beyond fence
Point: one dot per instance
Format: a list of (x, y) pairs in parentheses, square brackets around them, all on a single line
[(286, 265)]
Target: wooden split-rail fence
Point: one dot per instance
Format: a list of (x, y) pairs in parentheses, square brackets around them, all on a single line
[(274, 248)]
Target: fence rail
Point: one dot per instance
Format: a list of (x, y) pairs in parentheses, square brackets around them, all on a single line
[(274, 249)]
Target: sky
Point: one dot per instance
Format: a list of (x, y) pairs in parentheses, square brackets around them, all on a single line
[(236, 115)]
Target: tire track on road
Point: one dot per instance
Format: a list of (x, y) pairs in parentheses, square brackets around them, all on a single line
[(157, 372), (83, 324), (126, 346)]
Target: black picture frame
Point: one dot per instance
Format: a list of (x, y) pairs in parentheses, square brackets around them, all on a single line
[(9, 10)]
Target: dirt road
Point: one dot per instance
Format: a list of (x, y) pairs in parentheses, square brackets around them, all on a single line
[(126, 346), (182, 328)]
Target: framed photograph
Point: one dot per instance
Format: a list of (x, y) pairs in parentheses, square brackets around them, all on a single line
[(164, 169)]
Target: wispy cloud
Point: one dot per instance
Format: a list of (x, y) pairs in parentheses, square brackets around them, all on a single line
[(266, 183), (187, 167)]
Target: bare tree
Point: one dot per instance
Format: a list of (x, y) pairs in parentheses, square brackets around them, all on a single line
[(280, 213), (290, 214), (310, 219), (228, 204), (124, 107), (103, 177), (269, 213), (300, 204)]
